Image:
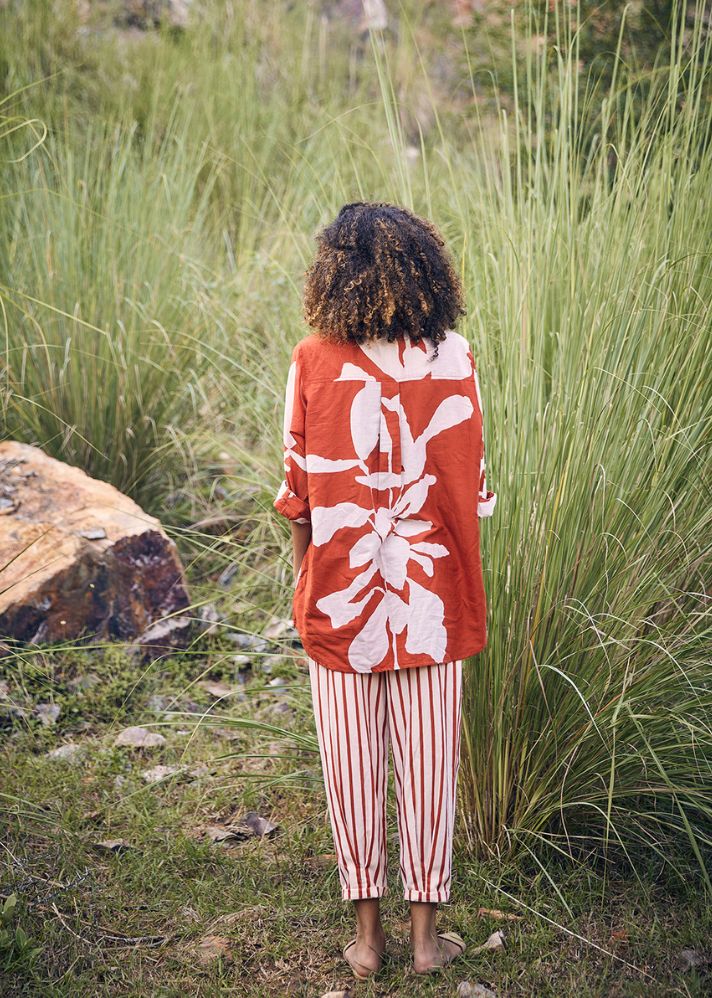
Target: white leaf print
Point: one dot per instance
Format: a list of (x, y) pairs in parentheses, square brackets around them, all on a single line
[(326, 520), (298, 458), (393, 558), (426, 634), (379, 480), (451, 411), (365, 549), (339, 606), (452, 360), (352, 372), (423, 552), (413, 499), (328, 465), (413, 365), (366, 418), (397, 612), (386, 441), (425, 563), (434, 550), (408, 528), (477, 389), (289, 440), (370, 645)]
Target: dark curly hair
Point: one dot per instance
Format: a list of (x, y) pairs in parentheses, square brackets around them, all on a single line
[(381, 272)]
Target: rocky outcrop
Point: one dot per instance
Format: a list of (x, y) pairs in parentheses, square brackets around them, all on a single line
[(152, 13), (77, 557)]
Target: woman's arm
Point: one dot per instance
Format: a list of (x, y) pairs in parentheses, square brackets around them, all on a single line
[(301, 536), (292, 498)]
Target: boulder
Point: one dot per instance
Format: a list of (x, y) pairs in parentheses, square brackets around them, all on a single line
[(77, 557), (152, 13)]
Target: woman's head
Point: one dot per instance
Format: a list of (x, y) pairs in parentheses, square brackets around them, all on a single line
[(381, 272)]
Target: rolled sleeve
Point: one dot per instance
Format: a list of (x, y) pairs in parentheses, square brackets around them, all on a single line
[(290, 505), (292, 499), (486, 503)]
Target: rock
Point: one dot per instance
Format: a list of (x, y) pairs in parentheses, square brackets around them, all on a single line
[(218, 690), (251, 642), (227, 575), (208, 618), (466, 989), (237, 829), (219, 523), (257, 825), (282, 632), (113, 845), (159, 773), (163, 637), (138, 737), (152, 13), (80, 559), (268, 662), (689, 959), (279, 627), (375, 16), (494, 942), (48, 713), (364, 15), (98, 534), (158, 703), (210, 949), (80, 684), (66, 753)]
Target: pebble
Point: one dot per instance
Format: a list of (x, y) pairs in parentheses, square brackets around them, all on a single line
[(252, 641), (138, 737), (48, 713), (68, 753)]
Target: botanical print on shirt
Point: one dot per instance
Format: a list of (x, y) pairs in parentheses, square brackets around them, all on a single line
[(384, 455)]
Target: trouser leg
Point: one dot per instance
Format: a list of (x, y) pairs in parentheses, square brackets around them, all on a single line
[(351, 717), (424, 707)]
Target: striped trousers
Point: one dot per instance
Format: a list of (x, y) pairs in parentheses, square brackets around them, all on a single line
[(418, 712)]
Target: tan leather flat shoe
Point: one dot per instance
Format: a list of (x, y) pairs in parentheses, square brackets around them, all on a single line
[(359, 969), (451, 937)]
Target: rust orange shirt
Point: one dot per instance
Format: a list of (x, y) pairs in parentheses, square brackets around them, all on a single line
[(384, 455)]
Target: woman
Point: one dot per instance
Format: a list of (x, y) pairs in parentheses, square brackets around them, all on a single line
[(384, 485)]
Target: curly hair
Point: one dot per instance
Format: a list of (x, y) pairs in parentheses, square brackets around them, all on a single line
[(381, 272)]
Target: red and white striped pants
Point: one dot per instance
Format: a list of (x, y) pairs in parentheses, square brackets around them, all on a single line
[(418, 710)]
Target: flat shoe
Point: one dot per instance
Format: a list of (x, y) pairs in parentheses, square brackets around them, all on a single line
[(360, 971), (451, 937)]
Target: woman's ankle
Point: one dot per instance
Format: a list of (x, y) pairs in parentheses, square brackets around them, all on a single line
[(369, 927), (422, 923)]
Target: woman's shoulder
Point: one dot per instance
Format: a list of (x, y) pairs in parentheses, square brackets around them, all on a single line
[(317, 354), (320, 358)]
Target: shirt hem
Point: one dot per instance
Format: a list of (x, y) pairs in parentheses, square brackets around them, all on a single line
[(409, 664)]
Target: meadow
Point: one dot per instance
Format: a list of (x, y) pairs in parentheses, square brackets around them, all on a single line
[(160, 194)]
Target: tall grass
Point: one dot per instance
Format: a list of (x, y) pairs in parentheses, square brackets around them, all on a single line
[(150, 261), (588, 714), (102, 246)]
